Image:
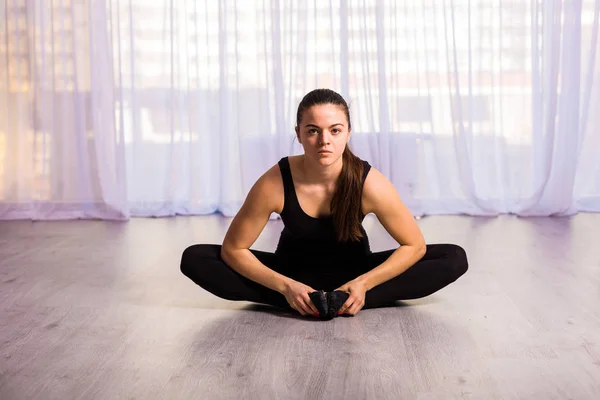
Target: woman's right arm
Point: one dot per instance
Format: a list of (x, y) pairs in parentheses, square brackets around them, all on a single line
[(265, 197)]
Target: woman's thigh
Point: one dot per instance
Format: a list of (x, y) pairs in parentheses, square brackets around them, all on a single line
[(441, 265), (434, 252), (200, 254), (203, 264)]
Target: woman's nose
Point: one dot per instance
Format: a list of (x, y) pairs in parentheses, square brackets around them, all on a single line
[(325, 138)]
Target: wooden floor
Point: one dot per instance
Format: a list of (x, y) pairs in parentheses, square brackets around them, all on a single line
[(100, 310)]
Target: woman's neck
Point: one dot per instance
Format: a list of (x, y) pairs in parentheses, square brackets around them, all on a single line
[(315, 173)]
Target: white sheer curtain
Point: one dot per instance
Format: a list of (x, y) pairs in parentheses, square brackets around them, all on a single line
[(112, 109)]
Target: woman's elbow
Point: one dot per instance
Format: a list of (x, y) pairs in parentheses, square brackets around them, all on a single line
[(421, 249), (229, 252), (225, 253)]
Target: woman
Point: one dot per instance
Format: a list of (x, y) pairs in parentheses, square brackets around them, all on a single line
[(322, 197)]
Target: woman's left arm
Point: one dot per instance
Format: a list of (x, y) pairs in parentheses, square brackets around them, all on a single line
[(381, 198)]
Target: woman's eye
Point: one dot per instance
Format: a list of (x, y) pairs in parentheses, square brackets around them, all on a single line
[(336, 131), (312, 131)]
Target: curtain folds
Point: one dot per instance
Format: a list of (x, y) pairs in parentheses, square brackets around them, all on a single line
[(112, 109)]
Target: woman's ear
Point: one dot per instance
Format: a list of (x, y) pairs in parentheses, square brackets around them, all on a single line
[(298, 134)]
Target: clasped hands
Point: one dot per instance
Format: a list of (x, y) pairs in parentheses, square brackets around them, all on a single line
[(347, 299)]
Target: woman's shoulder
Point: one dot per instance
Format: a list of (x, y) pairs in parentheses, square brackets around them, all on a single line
[(375, 179), (376, 188), (270, 186), (273, 175)]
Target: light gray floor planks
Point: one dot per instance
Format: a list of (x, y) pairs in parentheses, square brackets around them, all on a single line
[(100, 310)]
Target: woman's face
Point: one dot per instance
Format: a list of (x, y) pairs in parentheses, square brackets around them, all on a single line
[(323, 132)]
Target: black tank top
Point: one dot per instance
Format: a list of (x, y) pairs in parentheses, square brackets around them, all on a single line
[(305, 237)]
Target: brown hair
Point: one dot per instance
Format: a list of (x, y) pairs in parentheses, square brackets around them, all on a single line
[(346, 201)]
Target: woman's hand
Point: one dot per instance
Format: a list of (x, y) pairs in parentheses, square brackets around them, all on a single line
[(357, 291), (296, 294)]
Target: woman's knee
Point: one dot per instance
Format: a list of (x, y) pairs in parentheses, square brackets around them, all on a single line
[(194, 255), (457, 257)]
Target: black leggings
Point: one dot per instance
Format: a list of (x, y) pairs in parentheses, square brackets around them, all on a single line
[(441, 265)]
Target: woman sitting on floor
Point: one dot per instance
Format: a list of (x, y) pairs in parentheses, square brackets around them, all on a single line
[(323, 264)]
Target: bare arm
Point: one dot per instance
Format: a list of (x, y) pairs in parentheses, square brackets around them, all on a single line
[(265, 197), (381, 198)]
